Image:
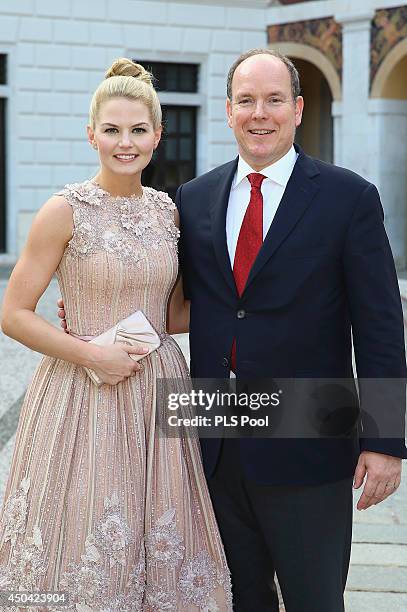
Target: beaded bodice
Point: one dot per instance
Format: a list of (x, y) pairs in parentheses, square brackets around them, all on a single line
[(122, 257)]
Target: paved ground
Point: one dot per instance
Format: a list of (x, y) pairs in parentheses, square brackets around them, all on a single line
[(378, 575)]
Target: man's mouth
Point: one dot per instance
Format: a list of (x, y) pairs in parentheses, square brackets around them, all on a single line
[(124, 157), (261, 132)]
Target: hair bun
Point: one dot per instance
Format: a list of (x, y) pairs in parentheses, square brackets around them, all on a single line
[(126, 67)]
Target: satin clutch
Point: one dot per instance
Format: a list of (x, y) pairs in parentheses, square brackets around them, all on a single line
[(136, 329)]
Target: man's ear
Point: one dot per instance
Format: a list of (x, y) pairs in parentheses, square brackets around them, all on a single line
[(299, 107), (229, 112)]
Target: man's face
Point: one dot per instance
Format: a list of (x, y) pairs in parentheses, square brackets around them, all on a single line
[(262, 112)]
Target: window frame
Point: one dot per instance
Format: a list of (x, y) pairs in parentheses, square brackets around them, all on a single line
[(185, 99)]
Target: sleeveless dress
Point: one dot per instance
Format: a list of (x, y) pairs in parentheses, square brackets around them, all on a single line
[(98, 505)]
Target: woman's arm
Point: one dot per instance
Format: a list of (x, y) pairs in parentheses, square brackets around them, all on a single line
[(178, 306), (49, 234), (178, 310)]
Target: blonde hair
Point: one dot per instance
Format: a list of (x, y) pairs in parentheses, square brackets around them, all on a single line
[(126, 79)]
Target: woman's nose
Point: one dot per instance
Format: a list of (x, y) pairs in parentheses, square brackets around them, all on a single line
[(125, 141)]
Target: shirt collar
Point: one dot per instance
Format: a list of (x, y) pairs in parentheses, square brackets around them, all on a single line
[(279, 172)]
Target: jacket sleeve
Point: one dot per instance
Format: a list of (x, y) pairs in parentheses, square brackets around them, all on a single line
[(181, 247), (377, 327)]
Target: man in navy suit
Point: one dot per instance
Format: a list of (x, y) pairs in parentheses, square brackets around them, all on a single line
[(283, 258)]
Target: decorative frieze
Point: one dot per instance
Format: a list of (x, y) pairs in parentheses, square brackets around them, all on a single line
[(389, 27), (325, 35)]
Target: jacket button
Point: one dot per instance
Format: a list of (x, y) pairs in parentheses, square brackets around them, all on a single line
[(225, 362), (241, 314)]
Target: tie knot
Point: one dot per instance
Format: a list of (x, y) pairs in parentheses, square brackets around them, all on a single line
[(256, 179)]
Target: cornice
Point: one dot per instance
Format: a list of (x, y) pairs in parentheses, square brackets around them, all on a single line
[(260, 4)]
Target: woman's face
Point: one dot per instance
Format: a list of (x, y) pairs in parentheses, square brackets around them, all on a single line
[(125, 136)]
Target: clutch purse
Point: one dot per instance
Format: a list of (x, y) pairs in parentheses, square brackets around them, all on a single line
[(136, 329)]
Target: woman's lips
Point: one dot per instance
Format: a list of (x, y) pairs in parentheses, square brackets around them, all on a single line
[(125, 158)]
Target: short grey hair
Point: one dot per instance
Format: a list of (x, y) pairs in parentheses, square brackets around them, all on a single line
[(293, 72)]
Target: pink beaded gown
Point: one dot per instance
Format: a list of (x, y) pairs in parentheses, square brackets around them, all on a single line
[(98, 504)]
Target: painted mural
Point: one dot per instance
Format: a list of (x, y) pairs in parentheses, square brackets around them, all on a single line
[(389, 27), (322, 34)]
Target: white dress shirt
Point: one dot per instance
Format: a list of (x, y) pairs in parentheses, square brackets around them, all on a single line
[(272, 189)]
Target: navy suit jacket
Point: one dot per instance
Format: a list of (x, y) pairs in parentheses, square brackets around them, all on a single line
[(325, 271)]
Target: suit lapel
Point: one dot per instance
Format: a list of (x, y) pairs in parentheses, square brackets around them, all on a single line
[(300, 191), (219, 198)]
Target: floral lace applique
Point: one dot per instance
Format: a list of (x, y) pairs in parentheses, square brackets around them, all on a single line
[(87, 582), (27, 563), (197, 580), (158, 600), (198, 577), (137, 581), (15, 513), (131, 601), (164, 544), (112, 533), (224, 580), (128, 227)]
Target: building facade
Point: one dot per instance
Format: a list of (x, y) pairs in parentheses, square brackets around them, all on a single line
[(352, 58)]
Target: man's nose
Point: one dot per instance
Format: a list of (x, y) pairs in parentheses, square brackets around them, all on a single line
[(260, 109)]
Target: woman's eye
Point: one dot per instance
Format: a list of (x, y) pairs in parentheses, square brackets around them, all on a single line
[(112, 130)]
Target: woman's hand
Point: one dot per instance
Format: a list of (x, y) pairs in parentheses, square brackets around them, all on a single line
[(113, 363)]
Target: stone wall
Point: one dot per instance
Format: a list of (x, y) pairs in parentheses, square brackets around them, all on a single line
[(58, 52)]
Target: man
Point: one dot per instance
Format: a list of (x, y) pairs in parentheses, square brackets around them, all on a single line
[(282, 256)]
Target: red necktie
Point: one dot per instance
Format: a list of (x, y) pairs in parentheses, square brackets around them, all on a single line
[(249, 241)]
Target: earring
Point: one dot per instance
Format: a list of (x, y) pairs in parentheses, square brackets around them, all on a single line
[(94, 145)]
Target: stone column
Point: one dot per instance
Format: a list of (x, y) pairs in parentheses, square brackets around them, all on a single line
[(354, 153), (337, 122), (388, 159)]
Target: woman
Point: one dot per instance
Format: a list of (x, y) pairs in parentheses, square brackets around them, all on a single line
[(98, 504)]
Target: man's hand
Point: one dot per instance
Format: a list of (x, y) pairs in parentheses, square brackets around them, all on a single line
[(61, 314), (383, 477)]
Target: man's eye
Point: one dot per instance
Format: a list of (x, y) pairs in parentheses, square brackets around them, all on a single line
[(275, 100), (245, 101)]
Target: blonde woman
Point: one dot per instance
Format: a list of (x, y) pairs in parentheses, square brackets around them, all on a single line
[(98, 505)]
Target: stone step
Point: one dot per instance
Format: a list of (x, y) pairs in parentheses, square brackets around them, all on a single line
[(379, 555), (379, 533), (375, 602), (377, 578)]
